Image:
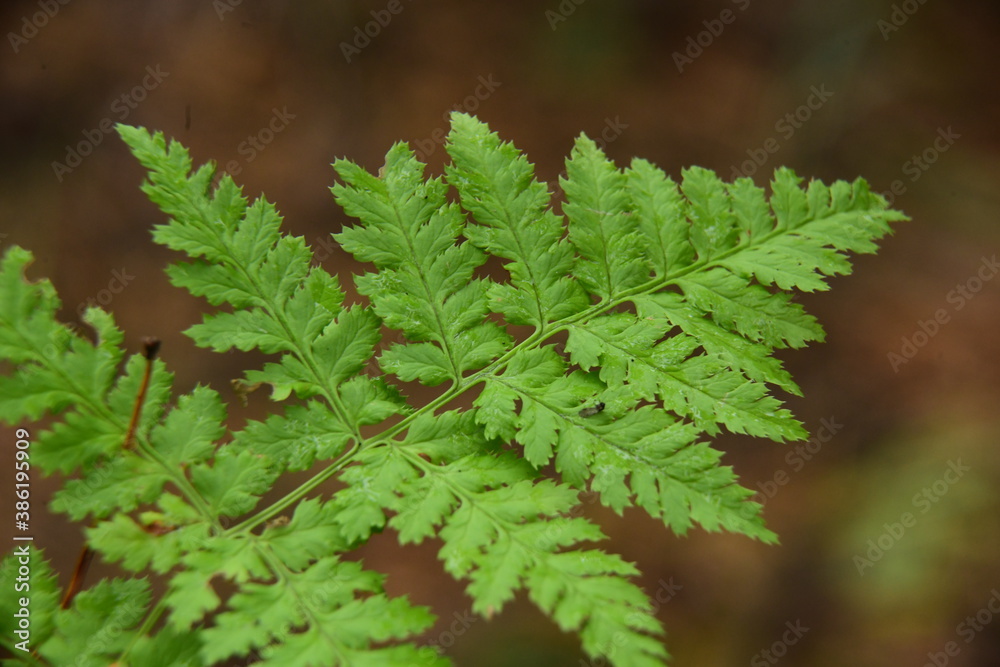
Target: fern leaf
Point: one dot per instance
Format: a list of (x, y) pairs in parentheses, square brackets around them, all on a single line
[(501, 528), (297, 439), (807, 247), (497, 187), (424, 286), (657, 204), (339, 628), (100, 623), (750, 358), (233, 483), (42, 584), (601, 228), (713, 227), (747, 309), (167, 648), (156, 544), (189, 431), (654, 309)]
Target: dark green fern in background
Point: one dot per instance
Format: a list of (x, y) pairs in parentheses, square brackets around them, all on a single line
[(652, 307)]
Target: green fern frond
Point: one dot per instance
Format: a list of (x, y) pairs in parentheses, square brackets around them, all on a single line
[(652, 310)]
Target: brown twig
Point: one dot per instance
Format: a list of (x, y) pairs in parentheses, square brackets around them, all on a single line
[(79, 572), (150, 347)]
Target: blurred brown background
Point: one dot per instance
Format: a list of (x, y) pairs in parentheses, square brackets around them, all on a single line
[(903, 93)]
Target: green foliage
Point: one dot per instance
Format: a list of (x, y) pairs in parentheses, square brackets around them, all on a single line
[(651, 309)]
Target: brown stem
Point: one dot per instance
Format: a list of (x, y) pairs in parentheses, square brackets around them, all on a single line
[(150, 347), (79, 572)]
